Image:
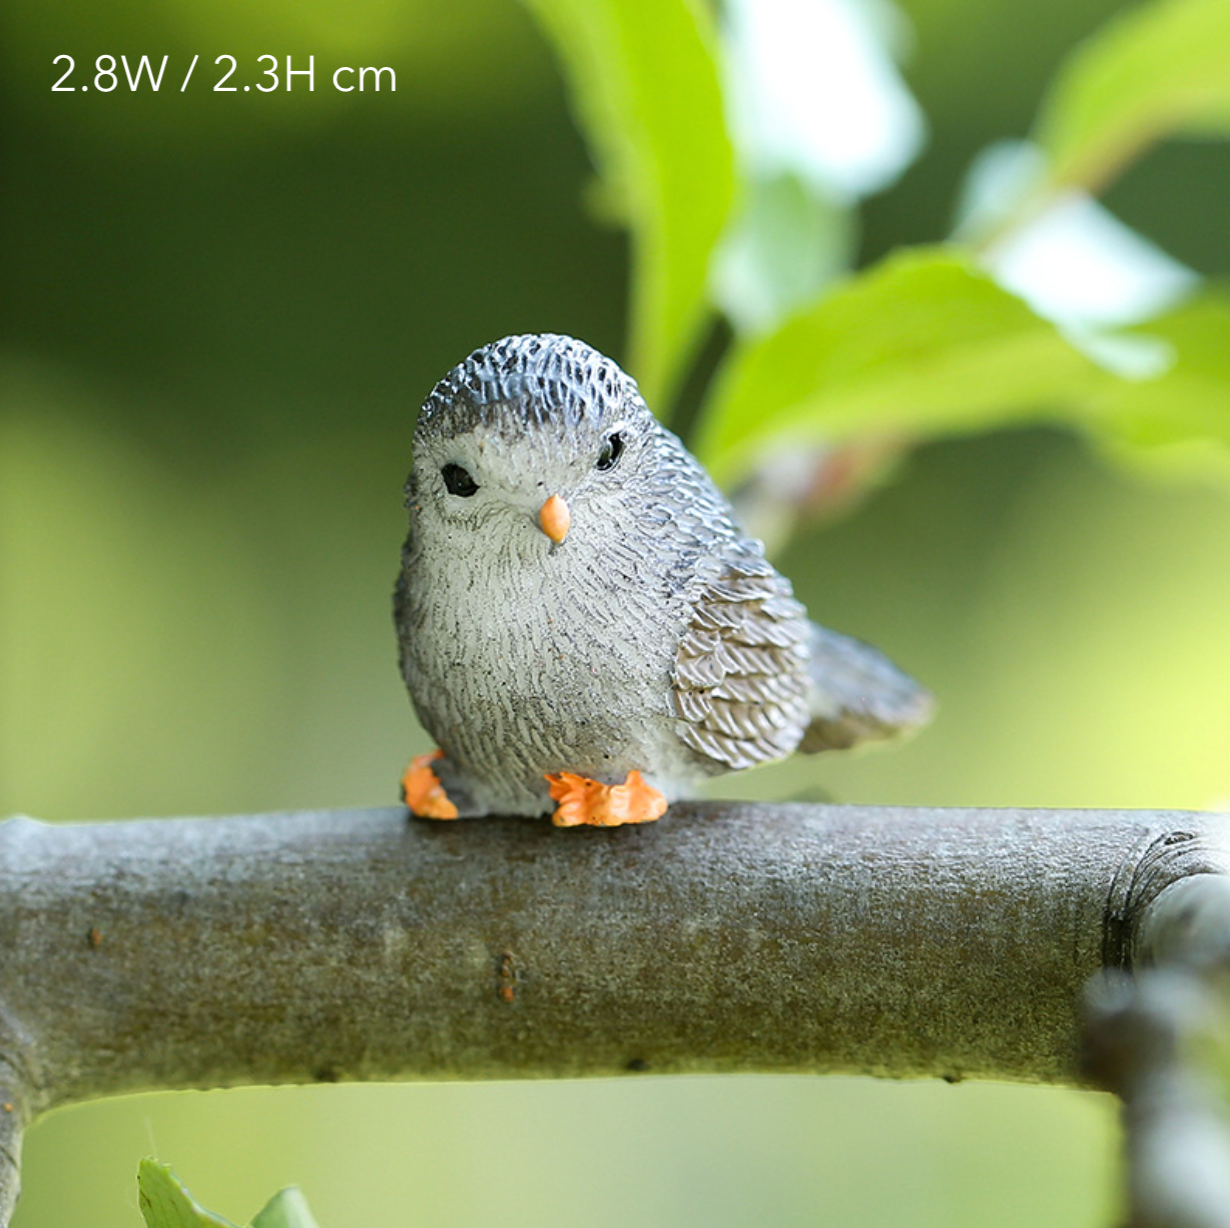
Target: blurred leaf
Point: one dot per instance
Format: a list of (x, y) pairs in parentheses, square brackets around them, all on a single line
[(1159, 70), (813, 91), (644, 85), (165, 1203), (286, 1209), (1180, 420), (787, 244), (1071, 260), (922, 344)]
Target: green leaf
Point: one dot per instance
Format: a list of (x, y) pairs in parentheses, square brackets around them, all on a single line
[(1179, 421), (166, 1203), (787, 244), (1159, 70), (922, 344), (286, 1209), (644, 85)]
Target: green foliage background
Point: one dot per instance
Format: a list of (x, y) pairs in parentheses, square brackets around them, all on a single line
[(219, 314)]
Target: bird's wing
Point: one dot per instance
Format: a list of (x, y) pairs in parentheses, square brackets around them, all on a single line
[(754, 679), (857, 694), (740, 679)]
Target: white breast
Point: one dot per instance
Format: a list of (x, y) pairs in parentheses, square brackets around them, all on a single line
[(524, 658)]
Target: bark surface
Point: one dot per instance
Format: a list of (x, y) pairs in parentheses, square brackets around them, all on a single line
[(330, 945), (361, 945)]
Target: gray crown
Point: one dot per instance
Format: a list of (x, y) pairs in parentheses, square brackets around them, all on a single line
[(544, 378)]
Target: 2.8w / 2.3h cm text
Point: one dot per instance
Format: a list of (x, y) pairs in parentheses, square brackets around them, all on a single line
[(110, 72)]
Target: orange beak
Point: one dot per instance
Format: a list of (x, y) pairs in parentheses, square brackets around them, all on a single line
[(554, 519)]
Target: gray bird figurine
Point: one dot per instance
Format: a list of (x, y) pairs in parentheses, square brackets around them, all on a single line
[(584, 629)]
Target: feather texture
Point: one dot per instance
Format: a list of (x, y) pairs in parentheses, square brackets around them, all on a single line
[(740, 683), (652, 636)]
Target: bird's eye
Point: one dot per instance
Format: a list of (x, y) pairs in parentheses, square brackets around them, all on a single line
[(612, 450), (458, 481)]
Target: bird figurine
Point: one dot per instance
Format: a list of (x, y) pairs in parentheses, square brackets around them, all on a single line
[(584, 629)]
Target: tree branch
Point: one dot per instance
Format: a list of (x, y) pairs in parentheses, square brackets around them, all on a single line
[(14, 1113), (363, 945), (1154, 1040)]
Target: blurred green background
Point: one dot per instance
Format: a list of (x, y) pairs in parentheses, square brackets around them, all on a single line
[(219, 314)]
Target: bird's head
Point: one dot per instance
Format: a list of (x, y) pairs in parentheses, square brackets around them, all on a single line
[(535, 441)]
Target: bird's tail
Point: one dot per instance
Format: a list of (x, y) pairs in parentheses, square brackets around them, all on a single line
[(858, 695)]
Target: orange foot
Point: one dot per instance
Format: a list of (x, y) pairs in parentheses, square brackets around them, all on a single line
[(422, 791), (585, 802)]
